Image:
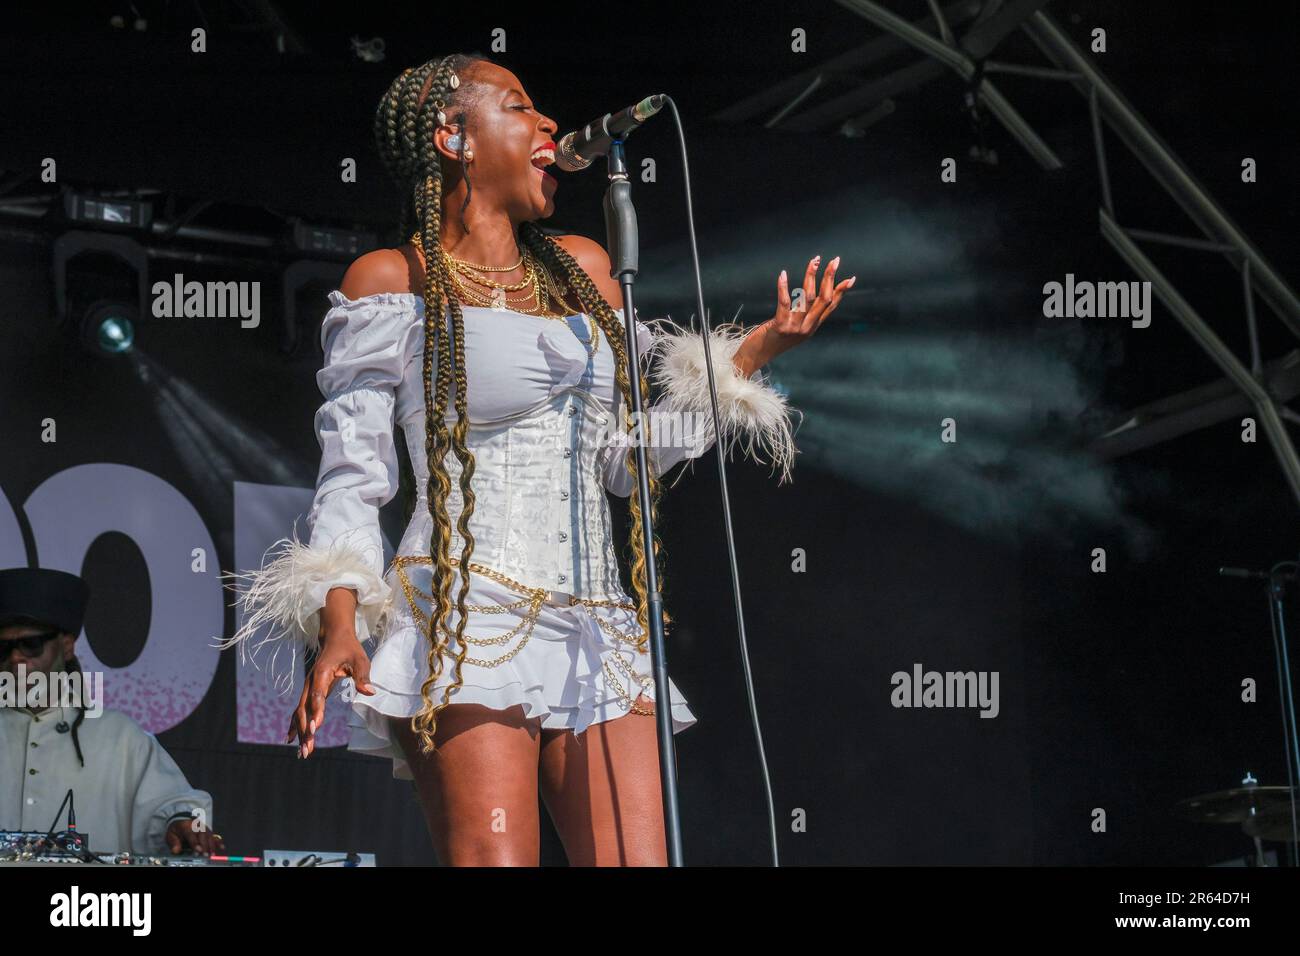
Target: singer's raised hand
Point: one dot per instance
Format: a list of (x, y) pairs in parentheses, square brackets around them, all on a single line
[(796, 318)]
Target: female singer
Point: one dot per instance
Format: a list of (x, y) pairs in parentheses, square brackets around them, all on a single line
[(487, 338)]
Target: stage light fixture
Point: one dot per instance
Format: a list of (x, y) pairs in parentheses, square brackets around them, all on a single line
[(108, 210), (109, 327)]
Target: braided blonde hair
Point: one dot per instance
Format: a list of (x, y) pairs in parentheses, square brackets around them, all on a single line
[(404, 125)]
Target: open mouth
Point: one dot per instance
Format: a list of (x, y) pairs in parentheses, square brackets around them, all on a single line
[(542, 157)]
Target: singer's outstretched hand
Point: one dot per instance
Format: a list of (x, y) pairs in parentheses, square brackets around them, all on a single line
[(796, 318)]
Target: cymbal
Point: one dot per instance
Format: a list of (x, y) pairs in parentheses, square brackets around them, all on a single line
[(1273, 824), (1233, 806)]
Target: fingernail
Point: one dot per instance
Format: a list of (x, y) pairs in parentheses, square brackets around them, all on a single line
[(782, 275), (311, 725), (853, 280), (835, 262)]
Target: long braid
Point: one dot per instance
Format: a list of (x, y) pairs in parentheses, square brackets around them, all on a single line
[(557, 259), (404, 127)]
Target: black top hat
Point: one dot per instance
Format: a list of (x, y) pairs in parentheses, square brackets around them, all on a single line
[(56, 598)]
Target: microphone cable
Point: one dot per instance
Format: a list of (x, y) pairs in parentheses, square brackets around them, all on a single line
[(722, 481)]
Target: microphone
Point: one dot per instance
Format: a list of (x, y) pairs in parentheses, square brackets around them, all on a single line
[(575, 151)]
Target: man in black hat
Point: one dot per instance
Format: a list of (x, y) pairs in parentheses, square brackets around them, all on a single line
[(128, 792)]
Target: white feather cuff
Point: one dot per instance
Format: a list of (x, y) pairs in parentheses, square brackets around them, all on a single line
[(283, 599), (752, 412)]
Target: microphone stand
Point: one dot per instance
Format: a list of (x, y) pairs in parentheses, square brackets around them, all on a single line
[(1277, 583), (622, 240), (1290, 737)]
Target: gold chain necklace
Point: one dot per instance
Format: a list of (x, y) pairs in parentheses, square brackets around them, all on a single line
[(474, 265), (462, 267), (500, 299), (464, 270), (546, 289)]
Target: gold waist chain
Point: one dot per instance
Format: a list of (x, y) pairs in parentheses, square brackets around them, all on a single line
[(534, 599)]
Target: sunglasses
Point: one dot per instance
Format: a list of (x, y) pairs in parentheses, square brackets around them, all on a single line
[(30, 646)]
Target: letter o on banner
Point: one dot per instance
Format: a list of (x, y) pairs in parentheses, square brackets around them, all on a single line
[(170, 677)]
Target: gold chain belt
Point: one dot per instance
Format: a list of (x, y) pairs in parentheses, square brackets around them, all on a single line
[(534, 600)]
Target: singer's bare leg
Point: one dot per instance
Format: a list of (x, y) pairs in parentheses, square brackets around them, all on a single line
[(479, 789), (603, 793)]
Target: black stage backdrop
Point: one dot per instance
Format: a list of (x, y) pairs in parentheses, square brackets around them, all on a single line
[(1119, 691)]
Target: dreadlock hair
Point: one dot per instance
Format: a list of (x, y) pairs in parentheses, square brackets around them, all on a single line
[(404, 125), (71, 665)]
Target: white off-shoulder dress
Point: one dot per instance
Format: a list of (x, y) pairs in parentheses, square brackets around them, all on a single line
[(549, 626)]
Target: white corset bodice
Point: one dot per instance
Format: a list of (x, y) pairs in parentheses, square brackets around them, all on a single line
[(541, 409), (540, 511)]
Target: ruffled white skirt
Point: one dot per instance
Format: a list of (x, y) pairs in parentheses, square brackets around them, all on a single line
[(575, 666)]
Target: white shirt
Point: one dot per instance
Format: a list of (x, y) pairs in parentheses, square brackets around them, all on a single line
[(538, 405), (124, 796)]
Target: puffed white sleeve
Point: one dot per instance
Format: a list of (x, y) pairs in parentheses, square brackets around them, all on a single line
[(367, 343), (754, 415)]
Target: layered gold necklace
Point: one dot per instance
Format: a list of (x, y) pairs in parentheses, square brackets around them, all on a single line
[(538, 286)]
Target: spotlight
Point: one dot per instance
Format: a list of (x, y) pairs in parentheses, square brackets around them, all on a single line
[(109, 327), (115, 334)]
